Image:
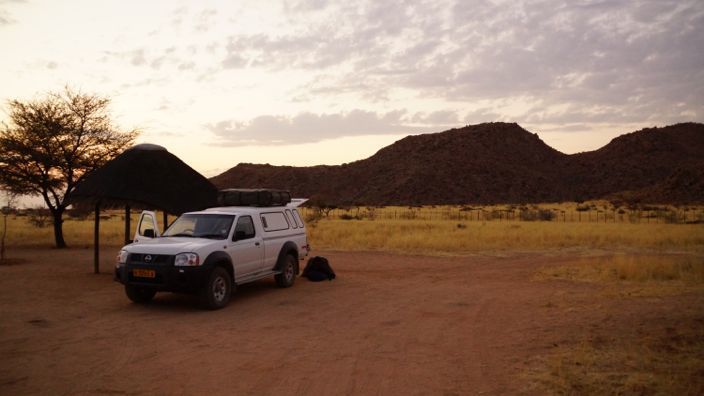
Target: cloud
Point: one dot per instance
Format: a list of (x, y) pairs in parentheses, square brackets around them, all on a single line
[(309, 127), (440, 117), (174, 58), (137, 58), (5, 17), (186, 66), (305, 5), (614, 60), (362, 34)]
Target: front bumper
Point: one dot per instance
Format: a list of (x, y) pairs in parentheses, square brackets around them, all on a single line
[(167, 278)]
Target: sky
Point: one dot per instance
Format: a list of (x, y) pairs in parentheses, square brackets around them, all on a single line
[(327, 82)]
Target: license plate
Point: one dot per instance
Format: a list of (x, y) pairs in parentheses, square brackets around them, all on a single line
[(144, 273)]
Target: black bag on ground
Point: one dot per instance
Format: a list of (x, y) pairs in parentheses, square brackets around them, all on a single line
[(318, 269)]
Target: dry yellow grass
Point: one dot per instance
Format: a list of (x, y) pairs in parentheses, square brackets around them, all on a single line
[(78, 233), (635, 275), (451, 237), (632, 268), (573, 212), (666, 359), (420, 236), (666, 364)]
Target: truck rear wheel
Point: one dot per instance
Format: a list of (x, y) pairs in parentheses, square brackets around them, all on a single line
[(139, 294), (217, 291), (288, 272)]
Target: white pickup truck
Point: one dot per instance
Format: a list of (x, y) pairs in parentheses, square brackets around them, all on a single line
[(211, 251)]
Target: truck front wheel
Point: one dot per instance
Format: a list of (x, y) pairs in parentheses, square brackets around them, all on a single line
[(138, 294), (217, 291), (288, 272)]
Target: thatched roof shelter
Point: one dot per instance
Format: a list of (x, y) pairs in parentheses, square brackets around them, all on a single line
[(144, 176), (148, 176)]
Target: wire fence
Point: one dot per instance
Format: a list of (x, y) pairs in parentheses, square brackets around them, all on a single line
[(689, 215)]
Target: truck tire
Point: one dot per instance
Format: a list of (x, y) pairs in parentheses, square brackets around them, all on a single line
[(217, 291), (288, 271), (139, 294)]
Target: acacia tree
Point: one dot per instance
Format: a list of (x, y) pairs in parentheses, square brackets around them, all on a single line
[(51, 144)]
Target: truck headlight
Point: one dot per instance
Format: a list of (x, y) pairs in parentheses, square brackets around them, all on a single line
[(186, 259), (122, 257)]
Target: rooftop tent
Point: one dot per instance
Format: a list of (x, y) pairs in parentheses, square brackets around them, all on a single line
[(147, 176)]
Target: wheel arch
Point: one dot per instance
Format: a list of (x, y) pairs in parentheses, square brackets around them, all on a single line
[(291, 248), (220, 259)]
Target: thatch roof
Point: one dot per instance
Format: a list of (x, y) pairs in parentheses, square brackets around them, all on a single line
[(148, 176)]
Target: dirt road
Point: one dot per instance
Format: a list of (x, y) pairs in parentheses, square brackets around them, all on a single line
[(388, 325)]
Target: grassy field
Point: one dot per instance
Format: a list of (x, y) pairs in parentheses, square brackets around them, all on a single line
[(665, 359), (663, 363), (634, 275), (566, 212), (78, 233), (451, 237), (634, 269), (420, 233), (500, 228)]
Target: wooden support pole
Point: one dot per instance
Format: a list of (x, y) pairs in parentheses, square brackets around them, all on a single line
[(128, 218), (166, 221), (96, 240)]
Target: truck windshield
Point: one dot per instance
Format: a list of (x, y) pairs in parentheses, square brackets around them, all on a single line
[(212, 226)]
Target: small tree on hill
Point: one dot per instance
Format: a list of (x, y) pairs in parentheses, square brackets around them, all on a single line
[(51, 144)]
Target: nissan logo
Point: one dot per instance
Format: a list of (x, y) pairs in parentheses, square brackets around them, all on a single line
[(148, 258)]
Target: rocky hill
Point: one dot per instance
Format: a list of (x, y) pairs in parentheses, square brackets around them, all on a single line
[(498, 163)]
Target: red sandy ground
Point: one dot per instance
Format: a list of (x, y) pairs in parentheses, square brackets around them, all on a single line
[(388, 325)]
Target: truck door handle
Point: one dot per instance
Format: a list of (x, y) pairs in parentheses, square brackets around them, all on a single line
[(256, 243)]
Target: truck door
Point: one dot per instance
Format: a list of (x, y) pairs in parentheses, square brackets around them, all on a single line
[(147, 227), (246, 248)]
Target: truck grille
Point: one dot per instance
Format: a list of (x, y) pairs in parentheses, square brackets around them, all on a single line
[(153, 259)]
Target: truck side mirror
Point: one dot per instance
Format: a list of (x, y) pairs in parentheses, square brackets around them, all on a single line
[(240, 235), (148, 233)]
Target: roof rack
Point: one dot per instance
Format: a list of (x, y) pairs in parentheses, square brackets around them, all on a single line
[(262, 197)]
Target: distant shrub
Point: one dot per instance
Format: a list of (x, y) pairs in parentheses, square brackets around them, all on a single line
[(669, 216), (537, 215), (493, 214), (39, 217), (527, 215), (616, 203), (313, 217), (408, 215), (546, 215), (79, 214)]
